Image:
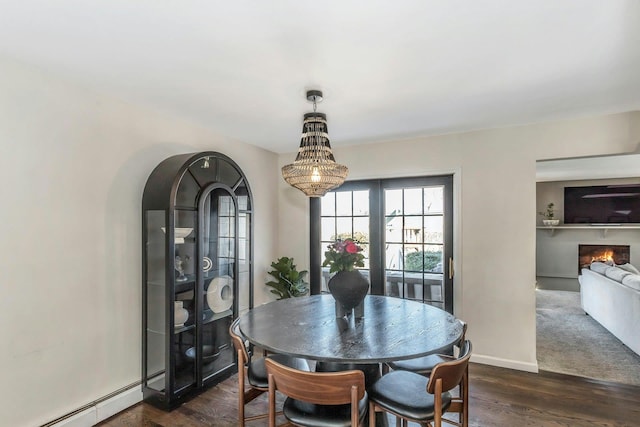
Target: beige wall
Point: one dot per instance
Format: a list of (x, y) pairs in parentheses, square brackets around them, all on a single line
[(495, 215), (73, 167)]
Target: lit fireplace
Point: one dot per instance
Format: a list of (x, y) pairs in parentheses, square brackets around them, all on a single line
[(612, 254)]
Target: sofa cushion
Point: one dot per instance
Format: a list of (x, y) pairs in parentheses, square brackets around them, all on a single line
[(628, 267), (599, 267), (616, 273), (632, 281)]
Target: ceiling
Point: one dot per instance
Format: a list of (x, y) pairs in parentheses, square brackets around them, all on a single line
[(387, 69)]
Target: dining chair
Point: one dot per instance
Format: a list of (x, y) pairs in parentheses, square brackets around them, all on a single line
[(424, 365), (252, 373), (420, 399), (317, 399)]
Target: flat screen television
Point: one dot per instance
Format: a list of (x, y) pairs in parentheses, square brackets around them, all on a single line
[(602, 204)]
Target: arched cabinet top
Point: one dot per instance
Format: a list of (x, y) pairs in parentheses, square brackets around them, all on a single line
[(178, 180)]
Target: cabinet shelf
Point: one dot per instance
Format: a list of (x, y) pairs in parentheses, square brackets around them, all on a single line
[(603, 227)]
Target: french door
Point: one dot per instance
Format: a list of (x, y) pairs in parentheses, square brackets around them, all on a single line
[(405, 226)]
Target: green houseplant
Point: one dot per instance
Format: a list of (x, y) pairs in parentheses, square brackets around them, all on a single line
[(549, 215), (289, 281)]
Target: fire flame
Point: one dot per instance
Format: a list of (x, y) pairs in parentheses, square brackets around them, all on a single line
[(604, 256)]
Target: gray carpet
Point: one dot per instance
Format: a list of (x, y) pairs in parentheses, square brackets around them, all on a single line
[(570, 342)]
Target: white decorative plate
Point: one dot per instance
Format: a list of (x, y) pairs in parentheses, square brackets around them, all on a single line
[(220, 294), (206, 264)]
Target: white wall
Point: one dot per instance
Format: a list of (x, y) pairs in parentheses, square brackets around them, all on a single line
[(73, 168), (495, 215)]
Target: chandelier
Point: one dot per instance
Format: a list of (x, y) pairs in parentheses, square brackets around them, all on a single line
[(314, 171)]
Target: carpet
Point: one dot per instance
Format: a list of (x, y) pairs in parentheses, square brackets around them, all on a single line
[(571, 342)]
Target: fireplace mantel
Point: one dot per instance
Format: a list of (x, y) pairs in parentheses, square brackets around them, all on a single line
[(604, 228)]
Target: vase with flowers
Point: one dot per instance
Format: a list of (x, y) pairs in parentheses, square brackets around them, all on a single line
[(348, 286)]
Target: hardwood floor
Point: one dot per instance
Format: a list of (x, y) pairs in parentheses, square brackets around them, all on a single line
[(497, 397)]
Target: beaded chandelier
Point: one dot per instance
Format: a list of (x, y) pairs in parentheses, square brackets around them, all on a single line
[(315, 171)]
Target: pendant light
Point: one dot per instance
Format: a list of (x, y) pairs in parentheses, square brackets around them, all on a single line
[(315, 171)]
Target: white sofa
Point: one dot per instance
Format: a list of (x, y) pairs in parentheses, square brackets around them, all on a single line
[(611, 295)]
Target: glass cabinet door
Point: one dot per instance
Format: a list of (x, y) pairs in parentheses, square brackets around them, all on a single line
[(183, 303), (218, 247), (154, 307)]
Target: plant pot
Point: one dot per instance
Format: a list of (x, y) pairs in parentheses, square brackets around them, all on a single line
[(551, 221), (348, 289)]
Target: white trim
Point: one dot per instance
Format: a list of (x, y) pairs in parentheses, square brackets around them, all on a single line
[(505, 363), (102, 410), (85, 418), (118, 403)]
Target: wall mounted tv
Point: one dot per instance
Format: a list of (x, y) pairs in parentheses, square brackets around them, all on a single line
[(602, 204)]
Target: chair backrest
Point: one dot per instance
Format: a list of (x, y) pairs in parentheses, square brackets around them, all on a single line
[(450, 373), (238, 342), (320, 388), (450, 351), (463, 337)]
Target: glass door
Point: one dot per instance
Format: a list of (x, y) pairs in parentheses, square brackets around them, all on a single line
[(218, 247), (405, 226), (414, 222)]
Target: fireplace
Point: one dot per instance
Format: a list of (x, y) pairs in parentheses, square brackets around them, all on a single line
[(612, 254)]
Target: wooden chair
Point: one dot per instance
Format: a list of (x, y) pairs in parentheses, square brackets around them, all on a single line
[(424, 365), (317, 399), (252, 373), (413, 397)]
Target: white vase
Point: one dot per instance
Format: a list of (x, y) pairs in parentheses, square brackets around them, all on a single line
[(180, 314)]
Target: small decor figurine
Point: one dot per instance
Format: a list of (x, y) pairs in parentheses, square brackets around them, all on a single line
[(179, 265), (548, 216), (348, 286)]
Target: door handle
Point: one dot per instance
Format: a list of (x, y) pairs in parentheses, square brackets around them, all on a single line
[(450, 268)]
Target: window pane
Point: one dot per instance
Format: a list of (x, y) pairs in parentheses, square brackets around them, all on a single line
[(433, 229), (413, 201), (344, 228), (328, 226), (413, 229), (393, 257), (328, 204), (343, 203), (361, 203), (433, 200), (393, 202), (393, 227), (361, 229), (433, 261)]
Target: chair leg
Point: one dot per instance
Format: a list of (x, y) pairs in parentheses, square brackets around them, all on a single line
[(464, 392), (372, 414), (241, 396)]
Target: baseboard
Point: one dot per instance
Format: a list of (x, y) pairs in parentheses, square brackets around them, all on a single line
[(505, 363), (118, 403), (101, 409), (86, 418)]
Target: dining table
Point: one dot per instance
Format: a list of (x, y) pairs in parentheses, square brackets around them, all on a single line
[(391, 329)]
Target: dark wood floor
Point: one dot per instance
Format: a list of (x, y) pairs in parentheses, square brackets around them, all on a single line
[(498, 397)]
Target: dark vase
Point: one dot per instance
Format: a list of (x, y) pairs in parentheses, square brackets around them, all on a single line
[(348, 288)]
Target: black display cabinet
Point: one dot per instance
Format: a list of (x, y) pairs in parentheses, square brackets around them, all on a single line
[(196, 275)]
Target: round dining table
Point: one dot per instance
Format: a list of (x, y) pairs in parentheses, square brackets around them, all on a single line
[(391, 329)]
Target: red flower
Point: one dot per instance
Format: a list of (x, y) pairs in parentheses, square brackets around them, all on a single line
[(351, 247)]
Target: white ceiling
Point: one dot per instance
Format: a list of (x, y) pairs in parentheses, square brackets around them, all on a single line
[(388, 69)]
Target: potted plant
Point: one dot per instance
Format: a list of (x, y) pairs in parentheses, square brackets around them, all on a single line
[(290, 282), (548, 215), (348, 286)]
